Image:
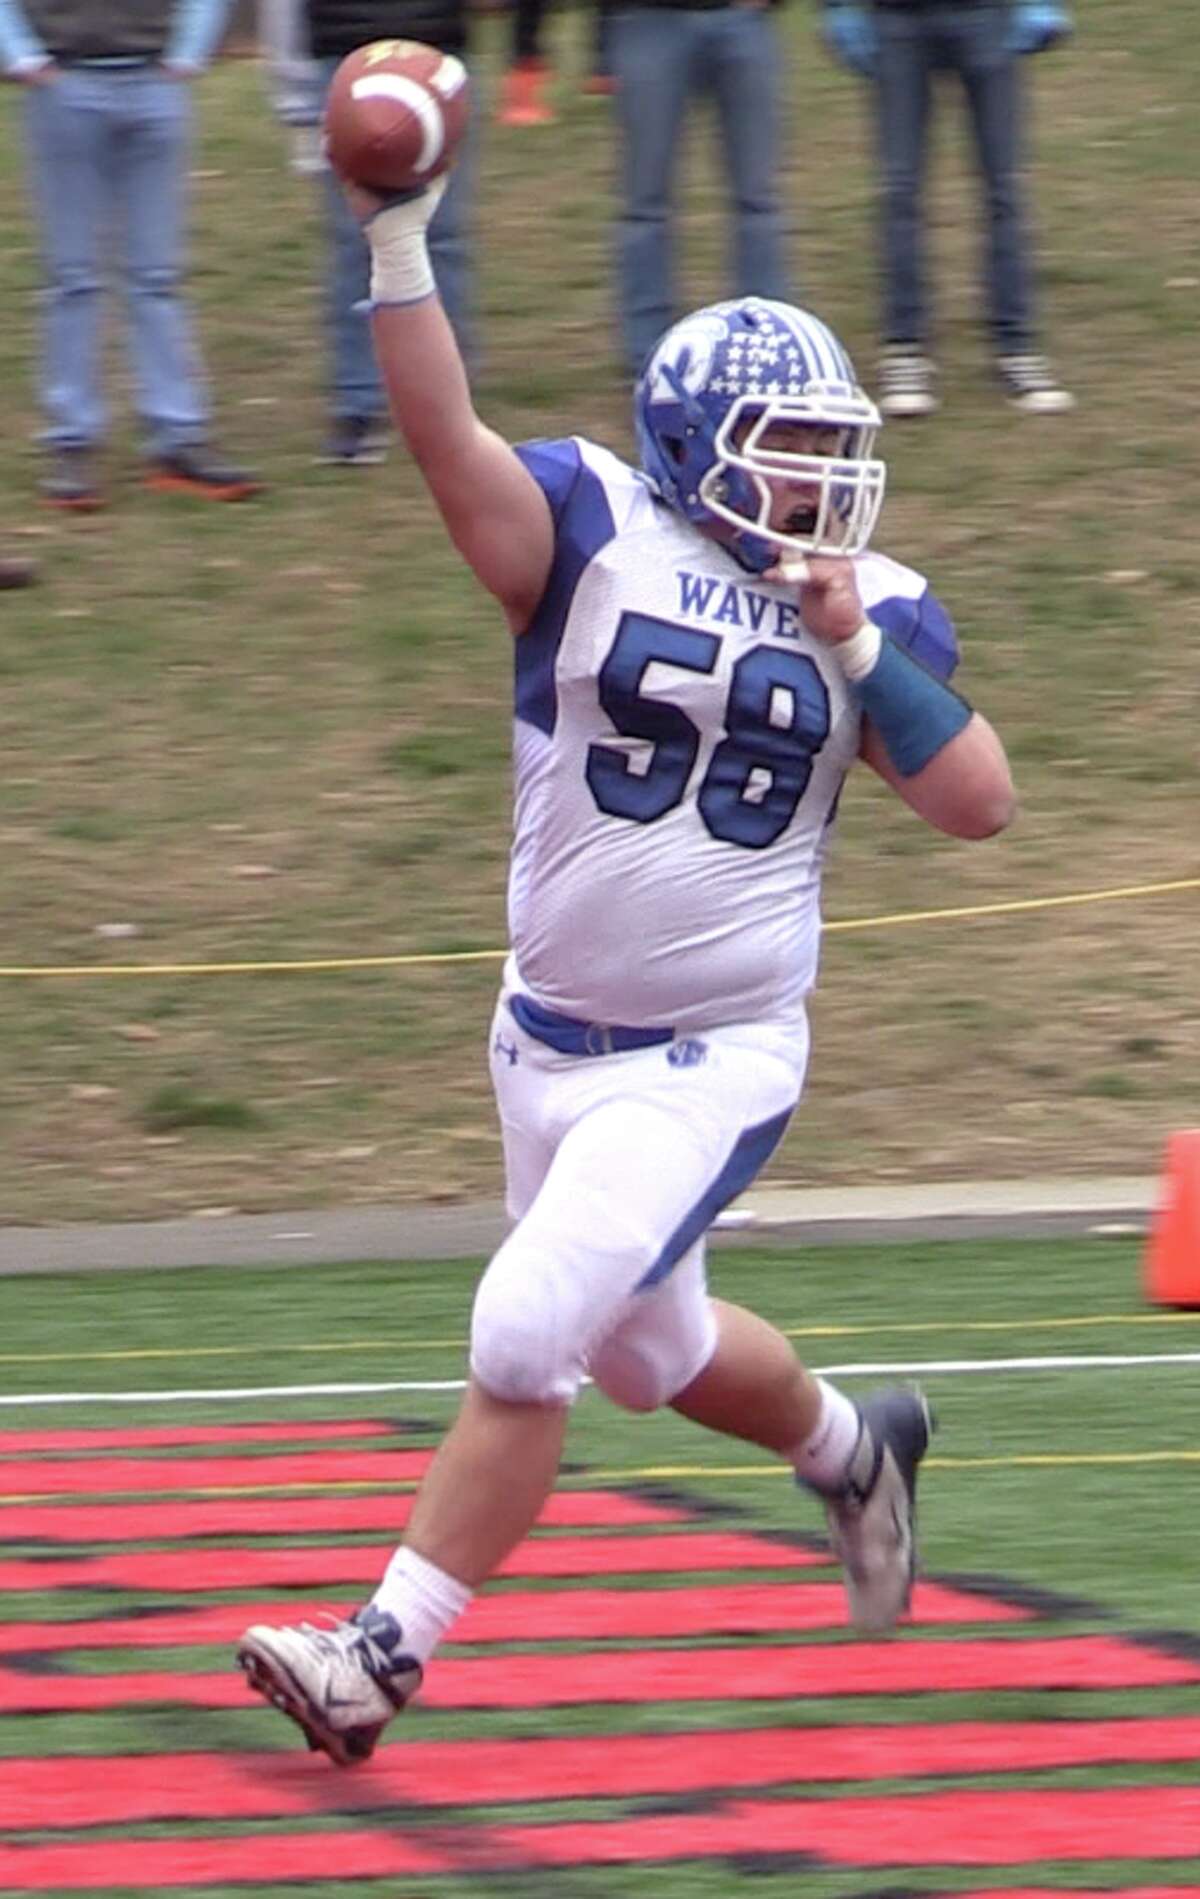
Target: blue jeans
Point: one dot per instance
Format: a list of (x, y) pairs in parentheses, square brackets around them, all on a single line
[(660, 58), (108, 154), (355, 385), (916, 43)]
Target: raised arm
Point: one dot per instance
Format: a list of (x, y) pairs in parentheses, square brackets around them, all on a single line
[(495, 513)]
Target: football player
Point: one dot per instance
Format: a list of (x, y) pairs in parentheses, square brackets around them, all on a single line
[(704, 644)]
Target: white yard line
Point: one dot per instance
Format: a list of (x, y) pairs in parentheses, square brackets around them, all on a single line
[(926, 1367)]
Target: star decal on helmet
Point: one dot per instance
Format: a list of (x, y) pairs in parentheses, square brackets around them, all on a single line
[(757, 361)]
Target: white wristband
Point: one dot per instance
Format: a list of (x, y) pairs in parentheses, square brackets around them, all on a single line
[(400, 267), (857, 655)]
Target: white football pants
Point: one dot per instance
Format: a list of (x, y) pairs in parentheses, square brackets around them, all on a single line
[(616, 1167)]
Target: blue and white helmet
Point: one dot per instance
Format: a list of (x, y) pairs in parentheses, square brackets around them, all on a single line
[(755, 362)]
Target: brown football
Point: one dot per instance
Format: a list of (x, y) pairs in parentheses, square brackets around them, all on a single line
[(395, 114)]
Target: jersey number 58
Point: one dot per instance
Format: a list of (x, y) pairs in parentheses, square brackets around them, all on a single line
[(758, 772)]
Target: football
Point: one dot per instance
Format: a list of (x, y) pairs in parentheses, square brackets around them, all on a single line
[(395, 114)]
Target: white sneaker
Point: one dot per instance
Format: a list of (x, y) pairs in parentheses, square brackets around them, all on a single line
[(308, 158), (906, 381), (872, 1516), (1032, 386), (341, 1685)]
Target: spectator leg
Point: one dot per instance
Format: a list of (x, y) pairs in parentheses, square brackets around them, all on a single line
[(652, 58)]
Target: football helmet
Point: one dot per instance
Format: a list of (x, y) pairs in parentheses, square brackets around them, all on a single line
[(707, 407)]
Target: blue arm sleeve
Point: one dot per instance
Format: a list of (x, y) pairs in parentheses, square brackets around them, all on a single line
[(914, 712)]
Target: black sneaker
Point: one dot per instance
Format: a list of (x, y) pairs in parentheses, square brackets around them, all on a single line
[(196, 470), (70, 481), (872, 1513), (1031, 385), (906, 381), (355, 441)]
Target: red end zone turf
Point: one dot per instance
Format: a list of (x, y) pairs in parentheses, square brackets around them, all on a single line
[(332, 1515), (626, 1676), (93, 1476), (571, 1615), (178, 1436), (714, 1772), (124, 1790), (964, 1829), (323, 1565)]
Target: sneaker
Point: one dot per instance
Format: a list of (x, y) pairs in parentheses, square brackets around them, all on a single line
[(872, 1517), (340, 1685), (195, 470), (71, 481), (355, 441), (1032, 386), (307, 157), (906, 381), (523, 95), (598, 86)]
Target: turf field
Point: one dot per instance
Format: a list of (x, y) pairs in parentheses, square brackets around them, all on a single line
[(659, 1688)]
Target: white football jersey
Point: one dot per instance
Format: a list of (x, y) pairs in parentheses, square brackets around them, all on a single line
[(680, 745)]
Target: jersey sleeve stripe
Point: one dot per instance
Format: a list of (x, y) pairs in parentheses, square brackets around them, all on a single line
[(583, 523)]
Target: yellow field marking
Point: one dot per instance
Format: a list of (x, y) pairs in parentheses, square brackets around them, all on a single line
[(251, 969), (987, 1325), (914, 1326), (1010, 907), (333, 1487), (1051, 1460), (236, 1351), (649, 1473)]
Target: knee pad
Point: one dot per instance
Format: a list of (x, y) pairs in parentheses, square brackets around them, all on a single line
[(525, 1347), (644, 1363), (631, 1375)]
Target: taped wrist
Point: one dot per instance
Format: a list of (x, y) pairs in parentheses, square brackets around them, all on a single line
[(914, 712), (400, 268)]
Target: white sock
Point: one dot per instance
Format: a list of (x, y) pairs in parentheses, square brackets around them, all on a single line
[(822, 1458), (423, 1599)]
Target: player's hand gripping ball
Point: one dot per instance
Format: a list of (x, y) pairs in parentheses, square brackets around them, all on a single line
[(395, 114)]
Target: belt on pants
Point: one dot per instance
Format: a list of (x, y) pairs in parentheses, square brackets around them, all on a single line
[(566, 1035)]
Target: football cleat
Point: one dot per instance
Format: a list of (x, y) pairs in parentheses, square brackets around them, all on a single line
[(872, 1514), (340, 1685)]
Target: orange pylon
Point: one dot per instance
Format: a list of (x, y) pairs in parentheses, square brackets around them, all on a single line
[(1172, 1264)]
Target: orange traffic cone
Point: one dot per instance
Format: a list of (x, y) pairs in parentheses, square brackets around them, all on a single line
[(1172, 1265)]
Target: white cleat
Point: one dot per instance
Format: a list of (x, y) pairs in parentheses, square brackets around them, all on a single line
[(872, 1516), (340, 1685)]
